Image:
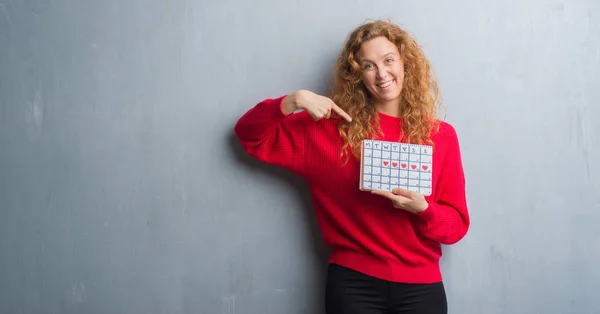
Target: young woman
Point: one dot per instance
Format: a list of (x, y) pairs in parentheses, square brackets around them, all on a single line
[(385, 246)]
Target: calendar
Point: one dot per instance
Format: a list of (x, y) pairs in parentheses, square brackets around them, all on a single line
[(387, 165)]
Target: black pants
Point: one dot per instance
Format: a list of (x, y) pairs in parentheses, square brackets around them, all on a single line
[(351, 292)]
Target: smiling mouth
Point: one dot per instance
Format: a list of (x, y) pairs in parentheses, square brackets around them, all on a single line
[(385, 84)]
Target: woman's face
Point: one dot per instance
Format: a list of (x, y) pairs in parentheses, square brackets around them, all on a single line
[(382, 70)]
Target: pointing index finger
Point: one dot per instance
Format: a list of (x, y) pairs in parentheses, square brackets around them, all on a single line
[(342, 113)]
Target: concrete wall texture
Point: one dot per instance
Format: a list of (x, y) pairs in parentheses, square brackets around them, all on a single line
[(122, 189)]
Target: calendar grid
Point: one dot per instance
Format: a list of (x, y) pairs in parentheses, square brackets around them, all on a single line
[(386, 165)]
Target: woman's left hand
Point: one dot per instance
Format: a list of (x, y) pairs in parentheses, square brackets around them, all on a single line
[(405, 199)]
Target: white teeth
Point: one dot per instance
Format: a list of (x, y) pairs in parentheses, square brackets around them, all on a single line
[(384, 85)]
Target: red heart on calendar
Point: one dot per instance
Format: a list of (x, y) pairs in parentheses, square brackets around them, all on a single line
[(413, 166), (403, 165), (394, 164), (385, 163), (425, 167)]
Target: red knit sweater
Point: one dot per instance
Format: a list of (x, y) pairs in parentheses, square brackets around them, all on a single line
[(365, 232)]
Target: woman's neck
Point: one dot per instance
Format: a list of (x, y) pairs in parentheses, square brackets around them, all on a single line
[(388, 109)]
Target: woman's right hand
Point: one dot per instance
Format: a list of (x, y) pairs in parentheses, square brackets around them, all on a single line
[(317, 106)]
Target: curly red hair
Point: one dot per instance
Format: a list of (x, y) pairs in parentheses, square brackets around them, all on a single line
[(420, 93)]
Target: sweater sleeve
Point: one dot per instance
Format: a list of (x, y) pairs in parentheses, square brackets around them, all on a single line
[(446, 220), (269, 135)]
